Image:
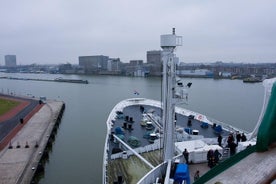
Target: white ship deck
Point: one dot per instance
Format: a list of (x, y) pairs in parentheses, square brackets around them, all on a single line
[(132, 169)]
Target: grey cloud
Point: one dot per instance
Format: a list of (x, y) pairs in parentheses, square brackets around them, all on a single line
[(57, 31)]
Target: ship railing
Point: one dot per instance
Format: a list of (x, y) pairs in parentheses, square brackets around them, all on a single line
[(142, 101), (224, 125), (209, 120), (155, 118), (154, 174), (158, 171), (105, 161), (124, 154), (227, 127), (147, 148), (133, 101)]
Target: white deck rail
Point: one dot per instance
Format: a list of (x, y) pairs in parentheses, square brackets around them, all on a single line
[(134, 152), (139, 150)]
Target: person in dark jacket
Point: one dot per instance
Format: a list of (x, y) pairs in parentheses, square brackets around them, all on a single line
[(219, 140), (196, 176), (238, 137), (230, 140), (232, 147), (243, 138), (217, 155), (210, 158), (186, 155)]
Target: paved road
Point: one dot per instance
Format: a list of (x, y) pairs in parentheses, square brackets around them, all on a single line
[(6, 126)]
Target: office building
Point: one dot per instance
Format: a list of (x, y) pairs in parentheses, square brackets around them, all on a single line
[(154, 62), (93, 64), (114, 64), (154, 57), (10, 60)]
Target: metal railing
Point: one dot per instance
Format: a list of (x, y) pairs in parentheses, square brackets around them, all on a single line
[(150, 147)]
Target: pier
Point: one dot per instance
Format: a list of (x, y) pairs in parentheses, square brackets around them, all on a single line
[(79, 81), (20, 159)]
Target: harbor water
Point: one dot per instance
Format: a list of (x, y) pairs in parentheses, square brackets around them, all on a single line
[(76, 155)]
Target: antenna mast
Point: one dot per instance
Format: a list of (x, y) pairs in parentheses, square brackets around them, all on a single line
[(168, 44)]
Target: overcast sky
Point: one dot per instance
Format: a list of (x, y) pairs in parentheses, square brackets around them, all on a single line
[(58, 31)]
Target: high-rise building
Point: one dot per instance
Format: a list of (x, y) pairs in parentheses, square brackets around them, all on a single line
[(154, 57), (154, 62), (93, 64), (114, 64), (10, 60)]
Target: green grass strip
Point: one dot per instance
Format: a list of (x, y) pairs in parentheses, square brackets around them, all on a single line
[(7, 105)]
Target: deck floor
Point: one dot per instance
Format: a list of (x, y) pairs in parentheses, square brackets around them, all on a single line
[(132, 169), (138, 131)]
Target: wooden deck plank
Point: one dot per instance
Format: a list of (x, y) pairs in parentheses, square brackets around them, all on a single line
[(131, 169)]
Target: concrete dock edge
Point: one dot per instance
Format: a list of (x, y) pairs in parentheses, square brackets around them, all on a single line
[(19, 160)]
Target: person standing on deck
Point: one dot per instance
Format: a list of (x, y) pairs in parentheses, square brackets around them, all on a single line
[(243, 138), (238, 137), (230, 140), (232, 147), (196, 176), (210, 158), (186, 155), (217, 155), (219, 140)]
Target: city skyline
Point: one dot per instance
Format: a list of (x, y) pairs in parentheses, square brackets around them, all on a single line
[(56, 32)]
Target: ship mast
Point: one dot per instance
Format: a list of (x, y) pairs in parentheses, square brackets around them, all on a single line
[(168, 44)]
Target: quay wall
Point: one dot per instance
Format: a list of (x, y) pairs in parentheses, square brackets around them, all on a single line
[(19, 160), (15, 130)]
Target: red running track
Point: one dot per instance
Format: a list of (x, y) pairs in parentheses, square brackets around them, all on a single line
[(12, 113)]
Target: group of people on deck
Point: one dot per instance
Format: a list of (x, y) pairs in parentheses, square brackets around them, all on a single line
[(213, 157), (231, 142)]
